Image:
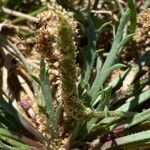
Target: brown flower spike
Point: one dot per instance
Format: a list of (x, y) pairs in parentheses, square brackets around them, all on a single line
[(55, 39)]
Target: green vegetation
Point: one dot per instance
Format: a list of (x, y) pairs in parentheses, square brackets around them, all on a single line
[(74, 74)]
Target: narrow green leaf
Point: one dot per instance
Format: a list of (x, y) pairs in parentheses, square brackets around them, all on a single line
[(122, 24), (45, 87), (125, 40), (134, 101), (105, 101), (110, 60), (119, 79), (114, 67), (141, 137), (20, 120), (75, 132), (12, 139), (53, 125), (89, 53), (103, 27), (137, 119), (132, 26), (6, 147), (101, 95), (40, 99), (96, 85), (98, 64), (35, 79)]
